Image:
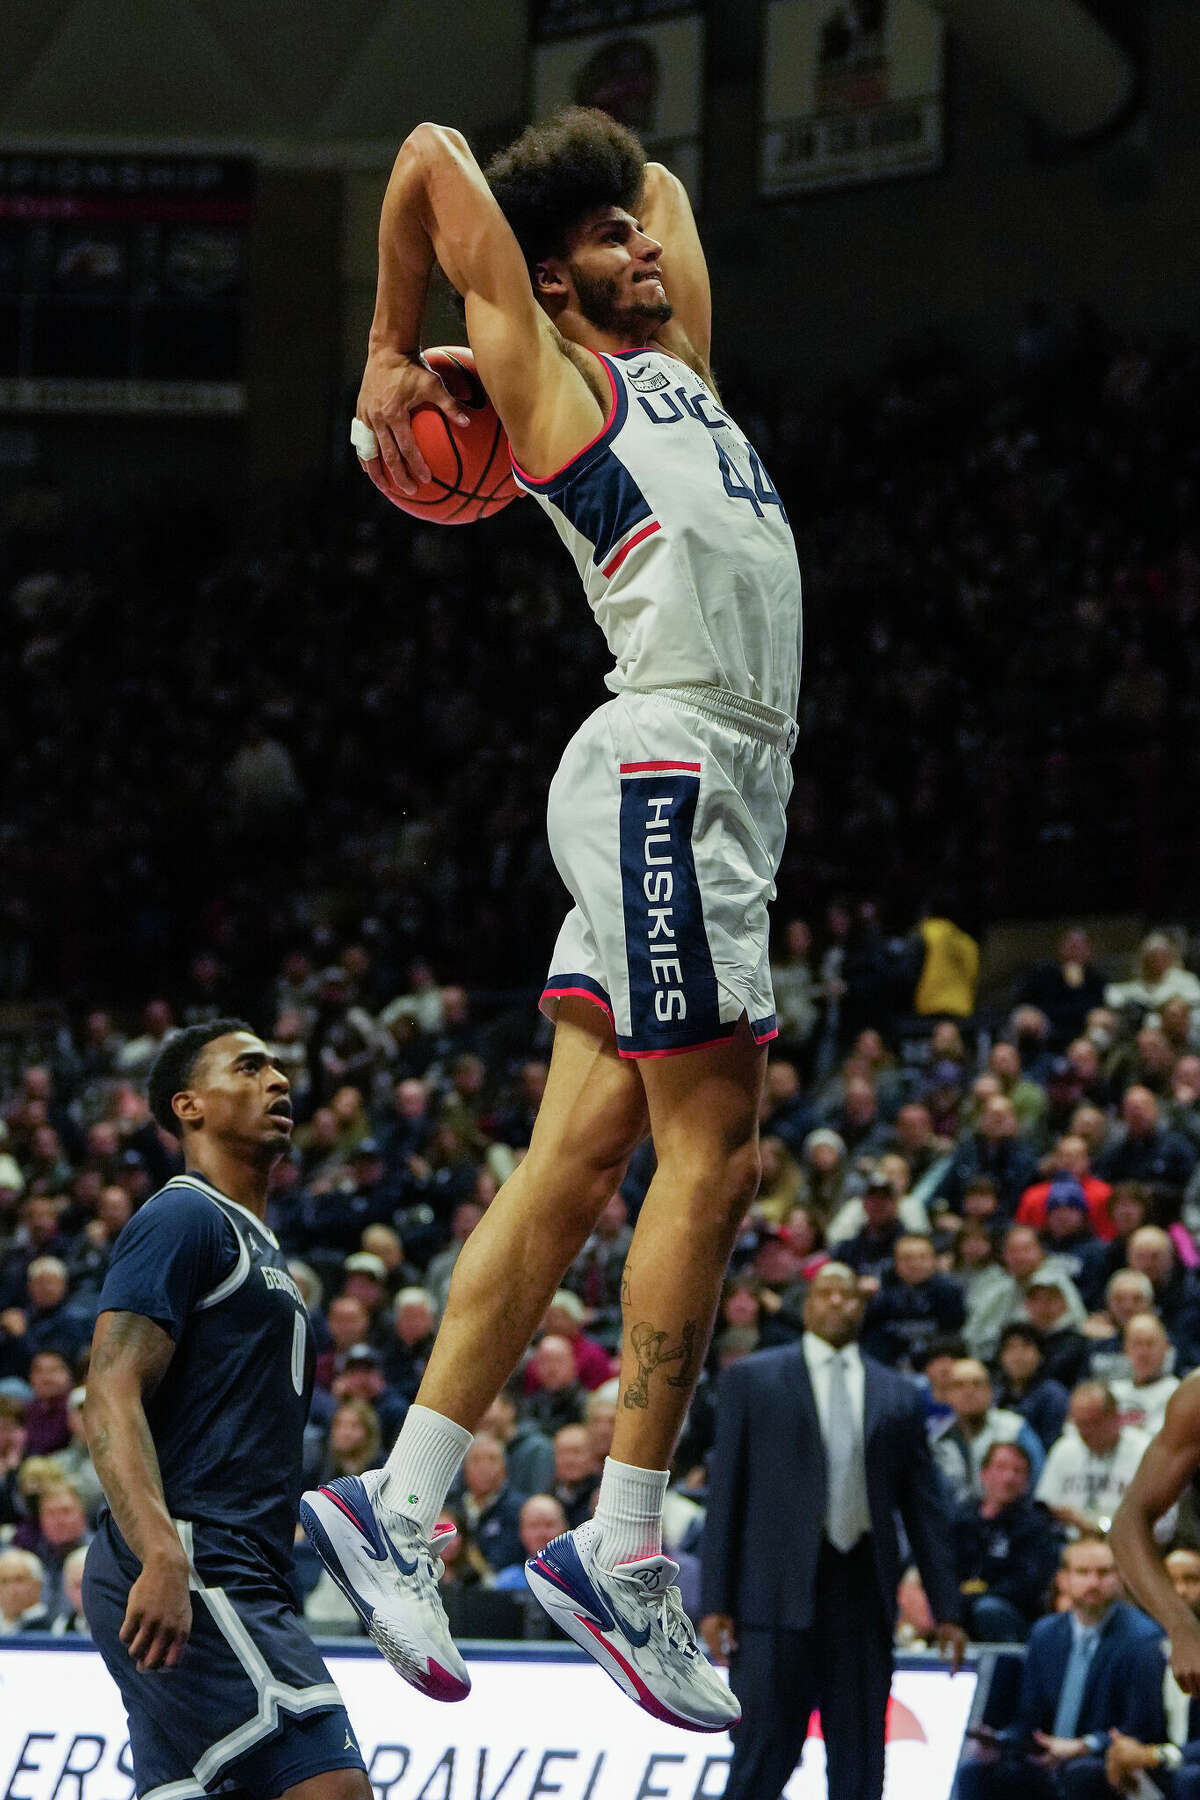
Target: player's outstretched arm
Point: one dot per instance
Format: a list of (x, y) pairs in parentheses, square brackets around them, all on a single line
[(438, 206), (1165, 1470), (129, 1357), (666, 213)]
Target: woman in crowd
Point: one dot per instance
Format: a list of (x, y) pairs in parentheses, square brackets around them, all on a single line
[(355, 1440), (1023, 1387)]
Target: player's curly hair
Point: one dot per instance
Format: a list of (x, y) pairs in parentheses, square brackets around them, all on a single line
[(560, 170), (174, 1066)]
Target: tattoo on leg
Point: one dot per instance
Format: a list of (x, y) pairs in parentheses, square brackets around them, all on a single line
[(626, 1291), (648, 1347)]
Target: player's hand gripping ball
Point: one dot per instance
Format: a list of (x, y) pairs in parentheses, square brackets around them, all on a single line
[(470, 476)]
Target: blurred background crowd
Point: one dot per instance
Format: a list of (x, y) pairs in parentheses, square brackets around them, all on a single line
[(1002, 574), (1016, 1187)]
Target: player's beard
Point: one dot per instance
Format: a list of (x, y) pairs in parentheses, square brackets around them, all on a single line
[(599, 305)]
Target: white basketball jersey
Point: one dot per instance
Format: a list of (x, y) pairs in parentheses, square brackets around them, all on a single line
[(682, 543)]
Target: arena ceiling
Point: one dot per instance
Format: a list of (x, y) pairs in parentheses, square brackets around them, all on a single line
[(309, 83)]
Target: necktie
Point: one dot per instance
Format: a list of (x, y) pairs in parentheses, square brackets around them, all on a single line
[(846, 1513), (1070, 1699)]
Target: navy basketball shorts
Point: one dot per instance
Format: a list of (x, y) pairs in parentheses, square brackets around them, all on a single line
[(666, 820), (251, 1703)]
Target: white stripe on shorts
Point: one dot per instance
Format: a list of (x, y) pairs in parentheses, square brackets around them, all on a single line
[(272, 1693)]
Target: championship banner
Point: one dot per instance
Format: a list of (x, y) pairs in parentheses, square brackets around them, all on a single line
[(640, 60), (853, 90), (534, 1726), (123, 283)]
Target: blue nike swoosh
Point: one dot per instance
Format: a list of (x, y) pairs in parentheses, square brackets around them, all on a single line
[(612, 1620), (402, 1563), (569, 1571), (636, 374), (639, 1639)]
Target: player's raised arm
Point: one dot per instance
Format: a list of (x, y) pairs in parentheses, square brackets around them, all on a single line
[(438, 206), (1165, 1470), (129, 1357), (666, 214)]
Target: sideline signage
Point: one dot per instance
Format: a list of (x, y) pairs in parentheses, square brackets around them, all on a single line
[(533, 1727)]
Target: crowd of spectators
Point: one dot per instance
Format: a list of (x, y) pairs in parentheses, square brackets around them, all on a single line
[(286, 766), (320, 718), (1020, 1206)]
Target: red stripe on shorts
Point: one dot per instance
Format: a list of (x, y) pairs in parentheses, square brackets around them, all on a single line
[(645, 768), (565, 993)]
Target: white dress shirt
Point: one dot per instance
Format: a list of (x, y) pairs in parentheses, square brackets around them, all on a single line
[(818, 1355), (1177, 1705)]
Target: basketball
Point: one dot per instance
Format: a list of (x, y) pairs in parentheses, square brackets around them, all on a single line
[(470, 474)]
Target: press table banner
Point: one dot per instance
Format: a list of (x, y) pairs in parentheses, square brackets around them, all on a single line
[(852, 92), (532, 1727), (123, 283), (640, 60)]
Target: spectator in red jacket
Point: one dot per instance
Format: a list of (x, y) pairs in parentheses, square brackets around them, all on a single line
[(1070, 1157)]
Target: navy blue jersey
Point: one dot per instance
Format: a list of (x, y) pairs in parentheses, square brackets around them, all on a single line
[(228, 1417)]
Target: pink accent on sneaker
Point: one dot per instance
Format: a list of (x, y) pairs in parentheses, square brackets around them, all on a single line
[(548, 1574), (440, 1684), (342, 1507), (646, 1700)]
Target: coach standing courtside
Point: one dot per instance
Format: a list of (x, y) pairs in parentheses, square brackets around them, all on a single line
[(818, 1449)]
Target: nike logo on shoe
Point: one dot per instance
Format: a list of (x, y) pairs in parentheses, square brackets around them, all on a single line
[(639, 1639), (600, 1607), (614, 1622), (657, 1665)]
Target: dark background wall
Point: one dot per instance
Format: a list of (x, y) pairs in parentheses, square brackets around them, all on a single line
[(1005, 221), (820, 289)]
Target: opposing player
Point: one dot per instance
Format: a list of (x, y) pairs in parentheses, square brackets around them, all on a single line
[(197, 1395), (588, 310), (1170, 1464)]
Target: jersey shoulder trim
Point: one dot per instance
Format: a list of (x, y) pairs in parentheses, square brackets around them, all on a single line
[(203, 1185), (582, 459), (226, 1207), (232, 1281)]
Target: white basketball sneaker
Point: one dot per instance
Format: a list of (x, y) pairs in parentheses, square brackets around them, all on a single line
[(631, 1620), (389, 1571)]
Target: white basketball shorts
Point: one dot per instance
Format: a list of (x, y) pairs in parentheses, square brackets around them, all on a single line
[(666, 822)]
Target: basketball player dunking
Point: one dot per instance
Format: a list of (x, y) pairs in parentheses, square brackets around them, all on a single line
[(588, 311)]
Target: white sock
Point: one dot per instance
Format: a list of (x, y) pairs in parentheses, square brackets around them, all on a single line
[(424, 1461), (629, 1513)]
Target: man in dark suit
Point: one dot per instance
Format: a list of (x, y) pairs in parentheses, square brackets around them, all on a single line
[(1089, 1672), (1174, 1764), (817, 1450), (1168, 1468)]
